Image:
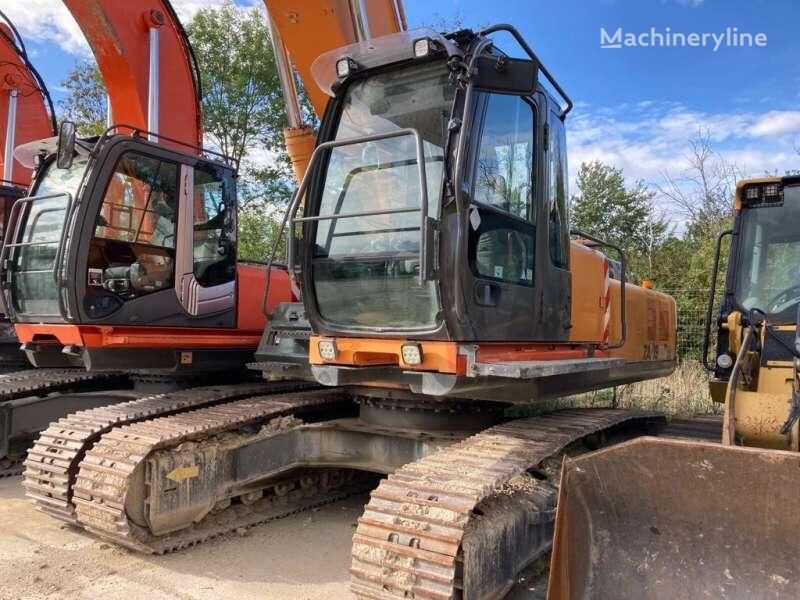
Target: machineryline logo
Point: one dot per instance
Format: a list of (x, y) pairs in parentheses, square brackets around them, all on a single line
[(666, 38)]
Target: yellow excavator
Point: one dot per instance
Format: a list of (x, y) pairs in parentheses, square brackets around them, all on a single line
[(668, 518)]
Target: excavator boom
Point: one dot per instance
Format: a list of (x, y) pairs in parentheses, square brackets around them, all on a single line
[(26, 112), (147, 65)]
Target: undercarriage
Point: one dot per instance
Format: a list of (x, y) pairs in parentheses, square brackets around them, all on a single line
[(469, 499)]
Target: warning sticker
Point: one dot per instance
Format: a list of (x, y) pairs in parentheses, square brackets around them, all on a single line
[(96, 277)]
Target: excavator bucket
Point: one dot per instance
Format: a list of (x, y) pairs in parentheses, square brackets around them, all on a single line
[(662, 518)]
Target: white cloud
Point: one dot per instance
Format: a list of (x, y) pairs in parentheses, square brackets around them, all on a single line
[(186, 9), (50, 21), (46, 20), (777, 122), (651, 138)]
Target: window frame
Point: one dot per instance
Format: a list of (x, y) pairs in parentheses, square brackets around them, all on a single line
[(231, 206), (132, 209), (475, 148)]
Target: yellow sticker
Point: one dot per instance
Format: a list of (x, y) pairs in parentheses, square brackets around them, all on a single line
[(182, 473)]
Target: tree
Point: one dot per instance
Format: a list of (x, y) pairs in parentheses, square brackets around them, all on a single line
[(85, 103), (622, 215), (243, 112), (242, 99)]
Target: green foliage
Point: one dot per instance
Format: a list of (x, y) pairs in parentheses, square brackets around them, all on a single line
[(606, 208), (243, 109), (242, 100), (85, 103)]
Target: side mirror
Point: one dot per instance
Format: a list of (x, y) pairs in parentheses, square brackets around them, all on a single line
[(66, 145), (506, 75)]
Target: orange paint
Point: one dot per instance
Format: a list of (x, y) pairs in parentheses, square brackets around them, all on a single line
[(440, 357), (250, 280), (309, 29), (436, 356), (118, 33), (33, 122), (106, 336)]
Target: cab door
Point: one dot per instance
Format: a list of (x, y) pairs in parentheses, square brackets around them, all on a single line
[(155, 240), (499, 283), (518, 283), (554, 287)]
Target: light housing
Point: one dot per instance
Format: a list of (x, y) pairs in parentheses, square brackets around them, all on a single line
[(327, 349), (772, 190), (412, 354), (763, 192), (345, 67), (424, 47), (752, 192), (724, 361)]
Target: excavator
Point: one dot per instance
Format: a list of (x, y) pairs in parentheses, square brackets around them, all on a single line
[(442, 297), (121, 272), (26, 114), (119, 269), (662, 518)]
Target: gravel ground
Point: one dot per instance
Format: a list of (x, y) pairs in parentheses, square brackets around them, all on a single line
[(305, 556)]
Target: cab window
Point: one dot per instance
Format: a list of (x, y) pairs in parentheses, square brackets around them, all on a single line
[(503, 215), (214, 245), (133, 249), (504, 167), (558, 216)]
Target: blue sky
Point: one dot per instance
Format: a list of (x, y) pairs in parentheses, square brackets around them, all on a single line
[(636, 108)]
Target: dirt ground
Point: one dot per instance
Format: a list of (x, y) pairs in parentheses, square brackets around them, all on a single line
[(305, 556)]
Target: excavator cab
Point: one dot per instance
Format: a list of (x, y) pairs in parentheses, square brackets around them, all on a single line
[(120, 241), (691, 518), (430, 235)]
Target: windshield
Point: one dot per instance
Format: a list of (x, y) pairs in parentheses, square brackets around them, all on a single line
[(366, 268), (41, 226), (769, 254)]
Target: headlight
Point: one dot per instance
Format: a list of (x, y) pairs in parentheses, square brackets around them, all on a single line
[(768, 192), (327, 349), (724, 361), (425, 47), (412, 354), (345, 66), (772, 190)]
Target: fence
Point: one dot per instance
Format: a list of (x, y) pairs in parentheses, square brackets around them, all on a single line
[(692, 306)]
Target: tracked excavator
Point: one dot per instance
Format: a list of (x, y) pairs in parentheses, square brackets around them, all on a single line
[(26, 114), (122, 268), (657, 518), (119, 270), (441, 293)]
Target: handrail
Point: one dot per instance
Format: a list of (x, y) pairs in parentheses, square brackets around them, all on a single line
[(529, 51), (299, 193), (622, 280), (369, 213), (712, 293)]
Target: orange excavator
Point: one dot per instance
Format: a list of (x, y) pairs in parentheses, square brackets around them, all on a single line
[(442, 297), (119, 269), (26, 114)]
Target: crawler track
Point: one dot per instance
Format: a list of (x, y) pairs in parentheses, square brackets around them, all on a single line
[(9, 467), (410, 542), (42, 381), (53, 461), (108, 474)]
